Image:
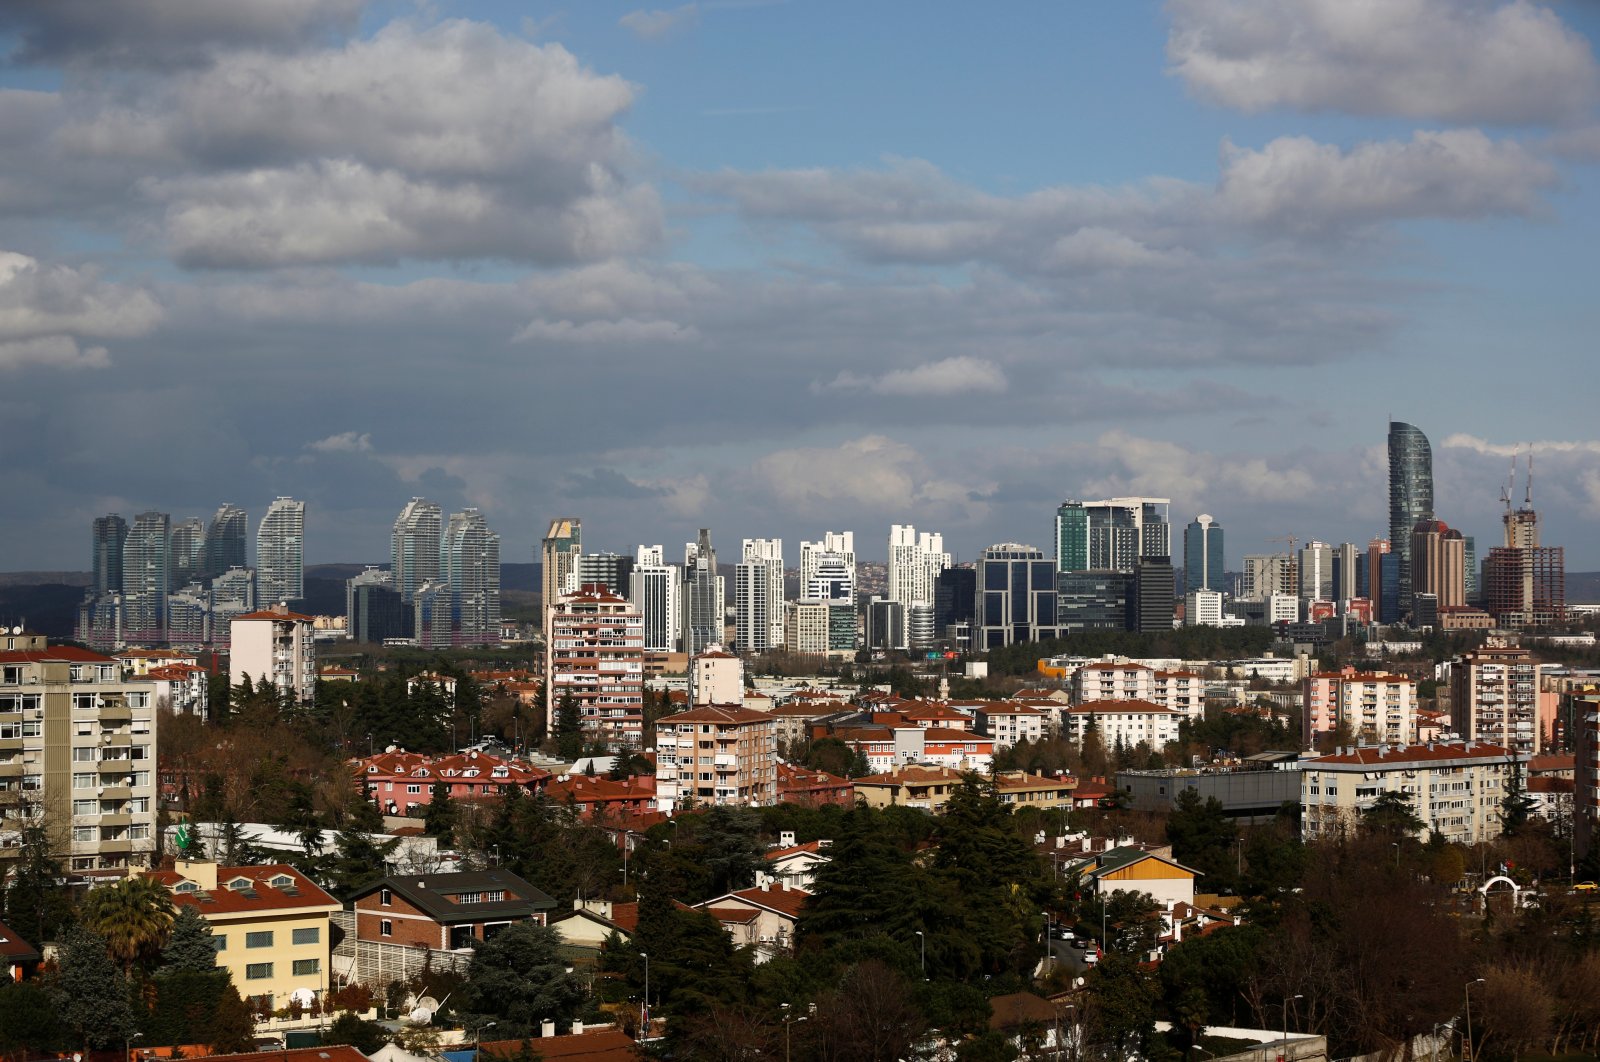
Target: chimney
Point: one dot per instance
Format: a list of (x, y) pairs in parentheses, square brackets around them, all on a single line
[(577, 1027), (786, 839), (547, 1028)]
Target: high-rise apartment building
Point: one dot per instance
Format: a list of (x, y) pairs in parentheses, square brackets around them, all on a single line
[(716, 754), (654, 588), (828, 568), (226, 541), (558, 553), (1202, 554), (1586, 793), (915, 561), (596, 656), (1525, 582), (281, 552), (78, 754), (186, 553), (704, 596), (415, 547), (110, 536), (1410, 495), (1374, 707), (274, 645), (1120, 531), (145, 579), (1494, 697), (1017, 596), (472, 568), (1439, 563), (758, 596)]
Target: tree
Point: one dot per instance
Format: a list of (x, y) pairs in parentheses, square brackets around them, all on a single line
[(38, 905), (569, 729), (1202, 837), (364, 1036), (1093, 749), (1516, 807), (91, 997), (440, 818), (356, 861), (1392, 816), (187, 1006), (519, 979), (1514, 1010), (132, 917), (28, 1021), (872, 1017), (190, 944), (1122, 1004)]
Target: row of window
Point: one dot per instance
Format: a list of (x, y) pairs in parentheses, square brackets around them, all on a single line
[(90, 780), (262, 971)]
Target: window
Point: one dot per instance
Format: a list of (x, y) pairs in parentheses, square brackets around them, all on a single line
[(385, 897), (385, 928), (83, 755), (86, 807), (262, 939), (83, 781), (306, 967), (219, 941), (258, 971), (84, 834), (307, 936), (413, 789)]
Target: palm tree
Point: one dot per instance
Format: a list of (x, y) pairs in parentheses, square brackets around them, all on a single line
[(133, 916)]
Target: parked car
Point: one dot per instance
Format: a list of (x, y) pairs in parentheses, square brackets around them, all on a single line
[(1079, 943), (1585, 886), (1061, 932), (1091, 956)]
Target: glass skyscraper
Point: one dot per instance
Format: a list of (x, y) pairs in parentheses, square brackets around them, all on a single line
[(281, 552), (1202, 554), (110, 534), (416, 547), (225, 541), (1410, 495)]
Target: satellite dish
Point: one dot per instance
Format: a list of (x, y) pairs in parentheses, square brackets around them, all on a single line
[(429, 1002), (420, 1016), (303, 996)]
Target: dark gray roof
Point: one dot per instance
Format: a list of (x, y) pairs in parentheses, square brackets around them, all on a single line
[(431, 893)]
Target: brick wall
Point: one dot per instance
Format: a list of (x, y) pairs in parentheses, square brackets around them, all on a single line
[(410, 925)]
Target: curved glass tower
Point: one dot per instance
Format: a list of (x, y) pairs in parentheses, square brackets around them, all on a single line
[(1410, 495)]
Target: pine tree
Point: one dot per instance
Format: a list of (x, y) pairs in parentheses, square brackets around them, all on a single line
[(91, 996), (190, 946), (569, 729)]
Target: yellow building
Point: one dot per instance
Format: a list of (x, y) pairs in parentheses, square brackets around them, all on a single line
[(271, 925)]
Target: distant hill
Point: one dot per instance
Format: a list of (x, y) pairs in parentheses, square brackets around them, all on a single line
[(49, 608), (1583, 587)]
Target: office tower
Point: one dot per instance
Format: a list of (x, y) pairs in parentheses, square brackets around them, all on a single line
[(1438, 564), (1122, 530), (704, 607), (110, 535), (1316, 572), (1494, 697), (886, 624), (1202, 608), (1093, 600), (612, 570), (654, 588), (79, 755), (596, 657), (1347, 566), (1471, 550), (818, 627), (1072, 536), (558, 553), (1410, 495), (920, 632), (758, 596), (1524, 582), (225, 545), (955, 598), (415, 547), (915, 561), (274, 645), (374, 610), (828, 568), (186, 553), (1202, 554), (472, 568), (145, 567), (1017, 596), (1154, 587), (281, 552)]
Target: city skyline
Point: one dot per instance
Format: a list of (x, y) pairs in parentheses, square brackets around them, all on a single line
[(1134, 249)]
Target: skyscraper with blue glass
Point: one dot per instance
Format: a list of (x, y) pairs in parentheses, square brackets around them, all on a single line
[(1410, 496)]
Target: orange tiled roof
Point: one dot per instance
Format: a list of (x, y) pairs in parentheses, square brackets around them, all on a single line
[(303, 892), (1381, 754)]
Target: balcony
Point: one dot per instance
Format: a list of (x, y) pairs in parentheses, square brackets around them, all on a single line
[(119, 765), (12, 769), (120, 846), (115, 712), (116, 792), (11, 744)]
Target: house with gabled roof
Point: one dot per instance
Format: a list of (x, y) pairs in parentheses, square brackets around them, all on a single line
[(1131, 868), (762, 918), (795, 865), (19, 956), (401, 782), (446, 911)]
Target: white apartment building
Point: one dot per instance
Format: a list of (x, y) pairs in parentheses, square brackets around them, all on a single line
[(277, 646), (77, 755), (1127, 721), (281, 551), (1203, 608), (828, 568), (716, 754), (1124, 680), (596, 656), (1007, 723), (655, 588), (915, 562), (758, 596), (1375, 707), (1455, 788), (716, 676)]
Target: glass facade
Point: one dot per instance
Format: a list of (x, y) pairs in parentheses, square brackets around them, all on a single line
[(1410, 495)]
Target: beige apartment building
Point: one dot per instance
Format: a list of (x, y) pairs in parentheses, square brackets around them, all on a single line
[(1375, 707), (1494, 696), (1455, 788), (718, 754), (77, 754), (276, 646), (1125, 680)]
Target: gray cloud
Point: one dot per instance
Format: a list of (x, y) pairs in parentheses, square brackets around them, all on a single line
[(1467, 61), (46, 311)]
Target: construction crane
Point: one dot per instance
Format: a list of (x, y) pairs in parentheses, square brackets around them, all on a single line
[(1291, 539)]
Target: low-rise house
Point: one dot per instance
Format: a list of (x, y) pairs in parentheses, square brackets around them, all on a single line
[(959, 749), (800, 785), (1131, 868), (271, 925), (591, 923), (19, 956), (607, 1044), (401, 783), (910, 785), (621, 800), (446, 911), (762, 918), (795, 865), (1021, 789)]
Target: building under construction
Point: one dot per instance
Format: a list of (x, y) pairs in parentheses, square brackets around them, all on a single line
[(1524, 583)]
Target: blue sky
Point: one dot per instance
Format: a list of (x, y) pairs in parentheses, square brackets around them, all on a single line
[(776, 268)]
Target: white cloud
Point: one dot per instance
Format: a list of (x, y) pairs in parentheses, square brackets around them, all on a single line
[(628, 330), (951, 376), (1467, 61), (1463, 441), (657, 23), (45, 310), (873, 472), (346, 442)]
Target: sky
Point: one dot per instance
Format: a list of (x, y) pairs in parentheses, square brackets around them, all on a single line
[(776, 268)]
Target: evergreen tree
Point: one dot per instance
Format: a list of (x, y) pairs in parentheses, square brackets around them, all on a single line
[(1391, 814), (569, 729), (1093, 749), (356, 862), (1516, 807), (190, 945), (91, 996), (29, 1025), (519, 979), (1202, 837), (37, 904), (440, 818)]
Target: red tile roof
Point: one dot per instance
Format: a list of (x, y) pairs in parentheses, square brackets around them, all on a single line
[(274, 614), (1438, 750), (224, 900), (54, 653), (782, 899), (583, 789), (14, 948), (417, 765), (713, 713), (331, 1053), (600, 1045)]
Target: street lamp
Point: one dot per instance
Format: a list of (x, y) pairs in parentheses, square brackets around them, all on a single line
[(1047, 953), (477, 1039), (923, 941), (644, 1005), (1470, 1047), (1286, 1003), (127, 1045)]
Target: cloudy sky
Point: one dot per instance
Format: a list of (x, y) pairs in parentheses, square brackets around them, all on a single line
[(781, 267)]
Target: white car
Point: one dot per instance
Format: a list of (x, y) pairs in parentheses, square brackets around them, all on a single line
[(1091, 956)]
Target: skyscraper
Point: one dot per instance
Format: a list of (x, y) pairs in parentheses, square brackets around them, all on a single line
[(416, 547), (758, 596), (1072, 537), (225, 541), (281, 553), (1016, 596), (1202, 554), (110, 535), (613, 570), (187, 553), (1316, 572), (1439, 563), (1524, 582), (145, 579), (1115, 533), (654, 587), (703, 596), (828, 568), (915, 562), (472, 569), (558, 555), (1410, 495)]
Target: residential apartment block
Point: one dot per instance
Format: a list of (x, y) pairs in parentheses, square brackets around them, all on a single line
[(1494, 697), (1455, 789), (717, 754), (1127, 722), (1183, 692), (1374, 707), (595, 654), (77, 754), (277, 646)]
